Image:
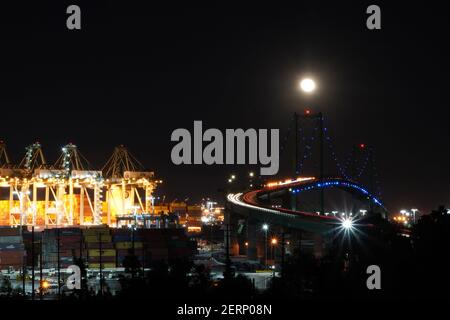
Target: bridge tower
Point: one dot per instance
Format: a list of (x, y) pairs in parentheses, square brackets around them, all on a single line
[(299, 124)]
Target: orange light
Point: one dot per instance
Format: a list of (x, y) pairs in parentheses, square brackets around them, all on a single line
[(246, 244), (288, 181), (45, 284), (194, 229), (274, 241)]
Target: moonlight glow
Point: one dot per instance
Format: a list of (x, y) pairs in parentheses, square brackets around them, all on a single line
[(307, 85)]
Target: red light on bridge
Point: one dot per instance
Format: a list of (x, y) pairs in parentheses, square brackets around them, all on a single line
[(362, 145), (307, 112)]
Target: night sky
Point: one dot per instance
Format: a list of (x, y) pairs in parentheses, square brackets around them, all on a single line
[(133, 74)]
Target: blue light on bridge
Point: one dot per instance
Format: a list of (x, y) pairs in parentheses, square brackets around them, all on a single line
[(337, 183)]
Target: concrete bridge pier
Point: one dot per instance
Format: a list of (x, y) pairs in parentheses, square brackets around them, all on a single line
[(319, 249), (252, 239), (289, 200), (233, 229)]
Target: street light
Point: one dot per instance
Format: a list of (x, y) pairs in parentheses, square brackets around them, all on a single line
[(347, 224), (274, 243), (251, 174), (265, 227)]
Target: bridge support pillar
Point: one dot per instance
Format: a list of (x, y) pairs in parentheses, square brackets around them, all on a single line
[(252, 240), (290, 200), (293, 197), (318, 245), (296, 241), (232, 220)]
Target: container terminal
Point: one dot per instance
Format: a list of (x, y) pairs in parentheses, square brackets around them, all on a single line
[(56, 215)]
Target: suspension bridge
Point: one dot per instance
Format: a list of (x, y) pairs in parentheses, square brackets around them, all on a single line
[(286, 205)]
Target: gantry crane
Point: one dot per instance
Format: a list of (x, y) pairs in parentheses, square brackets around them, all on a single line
[(71, 171), (69, 192), (125, 177)]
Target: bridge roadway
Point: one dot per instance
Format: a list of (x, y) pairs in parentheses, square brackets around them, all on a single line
[(255, 204)]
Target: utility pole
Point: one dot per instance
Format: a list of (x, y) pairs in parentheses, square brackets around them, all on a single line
[(282, 253), (227, 274), (24, 269), (58, 262), (143, 259), (296, 144), (133, 252), (40, 266), (371, 178), (265, 256), (100, 261), (32, 262), (322, 196)]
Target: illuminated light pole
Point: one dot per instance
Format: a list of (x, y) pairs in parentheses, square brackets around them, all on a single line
[(274, 242), (347, 224), (250, 176), (265, 227)]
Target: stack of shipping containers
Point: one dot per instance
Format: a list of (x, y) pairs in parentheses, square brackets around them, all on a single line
[(70, 246), (126, 243), (94, 245), (178, 243), (12, 249), (99, 248)]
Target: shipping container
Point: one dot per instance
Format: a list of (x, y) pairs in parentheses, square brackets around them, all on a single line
[(128, 245), (11, 246), (95, 238), (8, 231), (104, 253), (96, 245), (103, 259), (104, 265), (11, 239)]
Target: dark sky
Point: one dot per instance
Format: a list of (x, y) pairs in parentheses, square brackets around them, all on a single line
[(135, 73)]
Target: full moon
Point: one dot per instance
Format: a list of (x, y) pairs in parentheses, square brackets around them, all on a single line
[(307, 85)]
